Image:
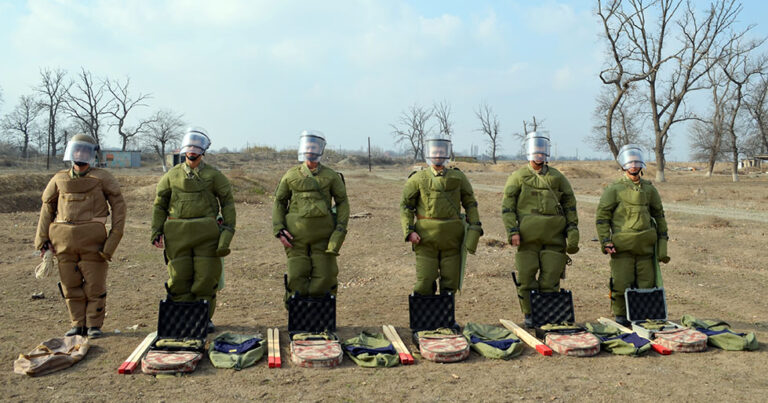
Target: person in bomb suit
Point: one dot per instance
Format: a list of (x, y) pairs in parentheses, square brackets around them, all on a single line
[(632, 229), (190, 197), (539, 213), (72, 225), (309, 227), (431, 219)]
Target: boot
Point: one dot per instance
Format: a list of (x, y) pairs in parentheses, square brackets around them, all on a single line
[(211, 327), (75, 331), (528, 322), (94, 333)]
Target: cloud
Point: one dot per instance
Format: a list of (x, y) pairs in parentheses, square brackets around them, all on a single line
[(563, 78), (486, 29), (443, 28)]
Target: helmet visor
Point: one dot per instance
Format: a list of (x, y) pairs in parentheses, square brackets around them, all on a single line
[(437, 151), (311, 147), (194, 142), (631, 156), (537, 148), (80, 151)]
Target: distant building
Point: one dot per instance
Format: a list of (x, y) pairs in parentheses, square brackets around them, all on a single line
[(754, 162), (121, 159), (174, 158)]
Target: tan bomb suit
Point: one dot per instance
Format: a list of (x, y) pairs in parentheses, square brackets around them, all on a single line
[(73, 217)]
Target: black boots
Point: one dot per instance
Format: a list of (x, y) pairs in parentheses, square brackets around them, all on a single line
[(75, 331), (94, 333)]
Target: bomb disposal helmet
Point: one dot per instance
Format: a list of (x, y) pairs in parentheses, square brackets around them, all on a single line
[(195, 140), (631, 156), (81, 148), (437, 150), (311, 145), (537, 146)]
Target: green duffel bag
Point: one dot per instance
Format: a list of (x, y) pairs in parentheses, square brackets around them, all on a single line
[(237, 351), (616, 342), (371, 350), (493, 341), (719, 334)]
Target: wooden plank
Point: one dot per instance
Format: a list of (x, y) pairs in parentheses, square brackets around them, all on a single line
[(270, 349), (273, 343), (132, 362), (405, 356), (542, 348), (655, 346)]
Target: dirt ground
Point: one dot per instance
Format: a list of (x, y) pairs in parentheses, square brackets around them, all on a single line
[(718, 269)]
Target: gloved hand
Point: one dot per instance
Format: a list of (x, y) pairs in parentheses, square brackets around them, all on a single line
[(572, 241), (609, 248), (285, 238), (337, 239), (110, 245), (473, 237), (157, 241), (414, 238), (47, 246), (662, 252), (225, 237)]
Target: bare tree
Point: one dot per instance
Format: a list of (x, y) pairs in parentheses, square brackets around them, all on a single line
[(624, 127), (618, 76), (166, 127), (442, 112), (412, 129), (21, 122), (757, 105), (669, 76), (739, 67), (531, 126), (707, 134), (86, 104), (491, 127), (123, 105), (53, 89), (707, 141)]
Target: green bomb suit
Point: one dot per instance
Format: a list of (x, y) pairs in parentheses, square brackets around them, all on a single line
[(431, 208), (631, 217), (539, 206), (303, 208), (186, 208)]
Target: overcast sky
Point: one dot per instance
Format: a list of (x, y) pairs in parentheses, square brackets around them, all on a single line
[(260, 72)]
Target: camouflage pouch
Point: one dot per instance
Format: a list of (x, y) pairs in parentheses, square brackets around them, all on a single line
[(719, 334), (493, 341), (236, 351), (371, 350), (618, 343)]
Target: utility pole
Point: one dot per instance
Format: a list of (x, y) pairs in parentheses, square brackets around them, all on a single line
[(369, 154)]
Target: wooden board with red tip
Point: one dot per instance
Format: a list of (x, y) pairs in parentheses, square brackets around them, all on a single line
[(535, 343)]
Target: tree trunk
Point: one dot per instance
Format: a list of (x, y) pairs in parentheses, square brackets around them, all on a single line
[(660, 163), (710, 166), (735, 164), (162, 156), (24, 150)]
